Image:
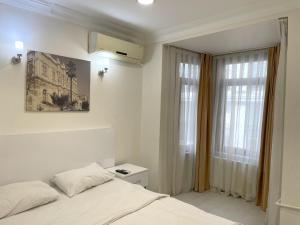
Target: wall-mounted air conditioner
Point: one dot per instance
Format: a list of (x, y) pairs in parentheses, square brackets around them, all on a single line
[(115, 48)]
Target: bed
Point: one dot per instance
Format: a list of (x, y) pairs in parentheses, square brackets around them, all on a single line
[(119, 203), (115, 202)]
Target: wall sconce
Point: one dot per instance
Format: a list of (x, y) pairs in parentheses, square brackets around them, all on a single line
[(104, 67), (102, 72), (19, 45)]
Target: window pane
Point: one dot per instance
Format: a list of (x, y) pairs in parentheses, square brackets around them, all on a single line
[(240, 110), (189, 81)]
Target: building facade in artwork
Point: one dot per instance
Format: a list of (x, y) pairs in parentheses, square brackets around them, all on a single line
[(48, 86)]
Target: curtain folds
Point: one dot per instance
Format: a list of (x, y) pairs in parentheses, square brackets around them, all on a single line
[(203, 141), (267, 129), (180, 81), (278, 127), (237, 120)]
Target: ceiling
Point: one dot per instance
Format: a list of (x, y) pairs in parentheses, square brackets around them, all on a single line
[(256, 36), (164, 21), (164, 14)]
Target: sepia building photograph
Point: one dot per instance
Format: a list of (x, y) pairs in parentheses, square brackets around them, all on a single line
[(56, 83)]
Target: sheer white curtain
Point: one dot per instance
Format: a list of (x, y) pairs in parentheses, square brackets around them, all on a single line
[(178, 119), (237, 120)]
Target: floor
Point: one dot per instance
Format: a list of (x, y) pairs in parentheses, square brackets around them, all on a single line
[(228, 207)]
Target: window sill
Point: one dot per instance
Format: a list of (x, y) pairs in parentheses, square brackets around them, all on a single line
[(236, 161)]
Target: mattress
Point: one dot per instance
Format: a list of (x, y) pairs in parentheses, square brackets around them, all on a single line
[(117, 203)]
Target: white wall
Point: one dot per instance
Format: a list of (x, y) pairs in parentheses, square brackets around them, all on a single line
[(126, 93), (150, 123), (149, 154), (115, 101), (291, 151)]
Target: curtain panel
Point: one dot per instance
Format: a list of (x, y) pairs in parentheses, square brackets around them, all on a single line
[(180, 84), (204, 121), (267, 130), (237, 120)]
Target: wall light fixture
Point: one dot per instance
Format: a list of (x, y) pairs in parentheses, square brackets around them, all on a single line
[(104, 63), (102, 72), (19, 45)]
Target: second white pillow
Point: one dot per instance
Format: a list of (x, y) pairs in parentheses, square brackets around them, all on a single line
[(75, 181)]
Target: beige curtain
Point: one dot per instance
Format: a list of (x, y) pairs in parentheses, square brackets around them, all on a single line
[(267, 129), (203, 141)]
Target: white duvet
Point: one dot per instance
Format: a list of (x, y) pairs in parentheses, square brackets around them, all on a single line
[(117, 203)]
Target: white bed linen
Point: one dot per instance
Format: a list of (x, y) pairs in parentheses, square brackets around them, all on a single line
[(73, 182), (118, 203)]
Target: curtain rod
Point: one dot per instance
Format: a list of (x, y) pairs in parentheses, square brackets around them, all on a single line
[(229, 53), (245, 51), (283, 18)]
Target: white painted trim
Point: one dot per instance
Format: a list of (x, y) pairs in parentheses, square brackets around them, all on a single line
[(280, 204), (48, 8), (247, 15), (243, 17)]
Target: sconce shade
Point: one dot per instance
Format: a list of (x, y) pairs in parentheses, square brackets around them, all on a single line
[(19, 45)]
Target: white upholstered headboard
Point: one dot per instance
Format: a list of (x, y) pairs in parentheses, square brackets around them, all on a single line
[(38, 156)]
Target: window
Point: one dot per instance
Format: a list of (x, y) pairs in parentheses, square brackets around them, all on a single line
[(30, 67), (189, 84), (44, 96), (240, 103), (58, 78), (53, 76), (44, 69)]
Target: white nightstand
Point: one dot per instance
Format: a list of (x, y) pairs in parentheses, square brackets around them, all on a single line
[(137, 175)]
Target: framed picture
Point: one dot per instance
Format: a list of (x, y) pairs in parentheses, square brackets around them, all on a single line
[(57, 83)]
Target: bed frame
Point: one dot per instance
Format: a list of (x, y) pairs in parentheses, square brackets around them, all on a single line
[(38, 156)]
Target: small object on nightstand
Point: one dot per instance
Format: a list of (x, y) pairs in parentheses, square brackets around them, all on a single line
[(124, 172), (131, 173)]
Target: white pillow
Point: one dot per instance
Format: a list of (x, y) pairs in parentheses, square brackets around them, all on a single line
[(75, 181), (19, 197)]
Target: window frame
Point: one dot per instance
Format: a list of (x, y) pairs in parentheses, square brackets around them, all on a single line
[(242, 156)]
